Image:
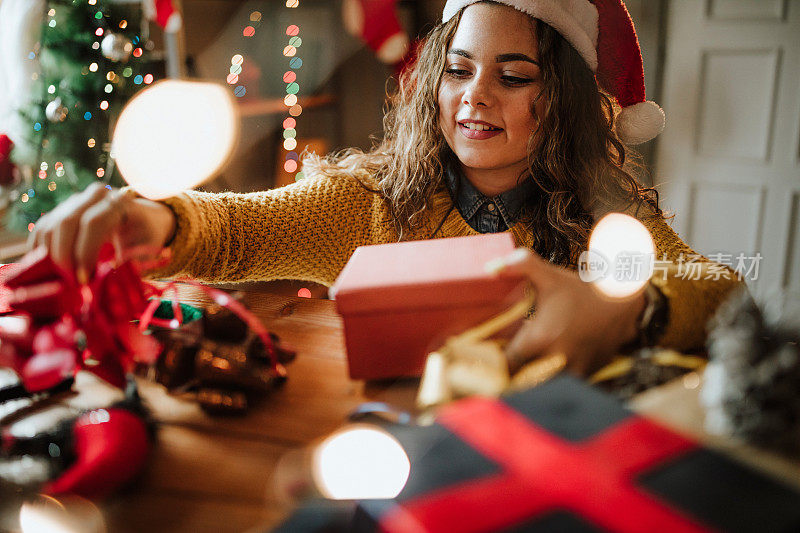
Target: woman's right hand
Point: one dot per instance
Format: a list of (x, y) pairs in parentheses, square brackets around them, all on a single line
[(74, 232)]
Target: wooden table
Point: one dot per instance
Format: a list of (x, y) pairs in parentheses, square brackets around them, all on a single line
[(214, 473)]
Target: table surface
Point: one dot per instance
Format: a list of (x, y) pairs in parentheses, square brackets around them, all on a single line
[(214, 473)]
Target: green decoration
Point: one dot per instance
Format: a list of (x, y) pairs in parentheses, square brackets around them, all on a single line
[(71, 112)]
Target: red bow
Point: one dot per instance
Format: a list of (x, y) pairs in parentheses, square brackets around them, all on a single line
[(60, 326)]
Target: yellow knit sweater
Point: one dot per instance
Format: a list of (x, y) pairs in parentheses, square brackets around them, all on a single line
[(309, 229)]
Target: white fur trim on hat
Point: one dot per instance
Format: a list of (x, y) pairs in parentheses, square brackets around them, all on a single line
[(575, 20), (640, 122)]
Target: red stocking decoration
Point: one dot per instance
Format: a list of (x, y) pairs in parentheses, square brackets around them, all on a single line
[(164, 13), (6, 166), (375, 22)]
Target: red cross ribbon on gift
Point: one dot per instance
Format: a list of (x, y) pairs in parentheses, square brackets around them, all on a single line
[(541, 472)]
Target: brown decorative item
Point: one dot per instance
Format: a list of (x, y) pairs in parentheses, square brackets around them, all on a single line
[(217, 360)]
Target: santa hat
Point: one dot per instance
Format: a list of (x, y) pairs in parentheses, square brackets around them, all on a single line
[(602, 32)]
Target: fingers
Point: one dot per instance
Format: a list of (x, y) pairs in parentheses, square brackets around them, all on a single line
[(522, 262), (96, 226), (59, 230)]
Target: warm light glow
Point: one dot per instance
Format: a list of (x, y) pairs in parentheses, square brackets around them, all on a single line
[(48, 515), (620, 257), (360, 463), (290, 166), (197, 120)]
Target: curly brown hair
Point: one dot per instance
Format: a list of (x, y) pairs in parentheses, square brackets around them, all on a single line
[(574, 156)]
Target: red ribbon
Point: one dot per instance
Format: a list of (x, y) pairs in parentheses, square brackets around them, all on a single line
[(60, 326)]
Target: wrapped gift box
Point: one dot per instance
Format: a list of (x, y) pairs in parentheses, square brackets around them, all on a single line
[(562, 456), (399, 301)]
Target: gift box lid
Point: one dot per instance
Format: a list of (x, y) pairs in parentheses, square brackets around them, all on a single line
[(423, 274)]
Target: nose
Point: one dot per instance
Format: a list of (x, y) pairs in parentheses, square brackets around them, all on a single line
[(478, 92)]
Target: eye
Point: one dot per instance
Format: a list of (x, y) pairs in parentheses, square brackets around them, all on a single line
[(457, 72), (516, 80)]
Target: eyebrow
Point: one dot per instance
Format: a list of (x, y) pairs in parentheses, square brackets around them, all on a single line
[(502, 58)]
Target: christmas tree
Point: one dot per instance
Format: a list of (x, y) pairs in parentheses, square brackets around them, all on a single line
[(93, 56)]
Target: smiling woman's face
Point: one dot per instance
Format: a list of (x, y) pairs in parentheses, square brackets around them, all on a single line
[(490, 82)]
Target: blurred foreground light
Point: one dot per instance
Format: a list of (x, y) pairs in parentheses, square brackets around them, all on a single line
[(173, 136), (49, 515), (620, 258), (360, 463)]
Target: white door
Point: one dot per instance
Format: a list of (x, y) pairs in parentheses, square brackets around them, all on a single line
[(728, 163)]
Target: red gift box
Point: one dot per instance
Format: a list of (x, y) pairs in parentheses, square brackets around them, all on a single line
[(400, 301)]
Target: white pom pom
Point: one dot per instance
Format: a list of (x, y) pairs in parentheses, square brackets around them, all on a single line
[(640, 122)]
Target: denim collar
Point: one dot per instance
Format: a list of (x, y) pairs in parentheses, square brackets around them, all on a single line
[(469, 200)]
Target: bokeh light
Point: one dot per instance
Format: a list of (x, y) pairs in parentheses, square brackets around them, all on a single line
[(290, 166), (289, 76), (360, 463), (295, 110), (289, 123), (304, 293), (290, 100), (255, 16), (289, 51), (237, 59), (137, 52), (290, 144), (166, 114), (620, 257), (104, 105), (248, 31), (292, 30)]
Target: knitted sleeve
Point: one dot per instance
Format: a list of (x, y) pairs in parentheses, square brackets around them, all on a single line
[(304, 231), (693, 286)]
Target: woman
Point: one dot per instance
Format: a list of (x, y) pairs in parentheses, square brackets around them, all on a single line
[(500, 126)]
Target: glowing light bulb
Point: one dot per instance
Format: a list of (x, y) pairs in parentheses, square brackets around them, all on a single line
[(197, 120), (360, 463), (620, 259)]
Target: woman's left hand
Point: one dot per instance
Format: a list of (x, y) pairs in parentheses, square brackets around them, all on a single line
[(572, 317)]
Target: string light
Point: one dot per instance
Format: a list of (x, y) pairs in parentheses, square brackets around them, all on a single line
[(292, 165)]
